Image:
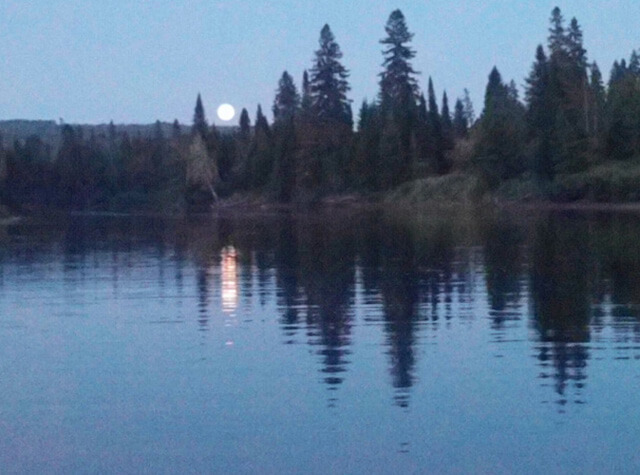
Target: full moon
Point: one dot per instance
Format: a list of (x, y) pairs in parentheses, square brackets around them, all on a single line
[(226, 112)]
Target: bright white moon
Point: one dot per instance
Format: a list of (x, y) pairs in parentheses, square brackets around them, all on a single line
[(226, 112)]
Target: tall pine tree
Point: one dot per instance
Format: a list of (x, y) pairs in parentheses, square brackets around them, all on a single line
[(398, 85), (287, 101), (200, 125), (328, 82)]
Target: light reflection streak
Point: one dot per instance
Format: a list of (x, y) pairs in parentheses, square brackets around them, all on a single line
[(229, 279)]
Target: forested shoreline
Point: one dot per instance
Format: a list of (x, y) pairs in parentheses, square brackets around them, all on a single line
[(570, 137)]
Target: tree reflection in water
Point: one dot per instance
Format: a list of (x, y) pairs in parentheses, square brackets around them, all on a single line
[(574, 279), (561, 303)]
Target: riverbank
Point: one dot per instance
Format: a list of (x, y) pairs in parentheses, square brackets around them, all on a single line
[(614, 186)]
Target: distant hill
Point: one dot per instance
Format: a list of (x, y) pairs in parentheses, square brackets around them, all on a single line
[(50, 131)]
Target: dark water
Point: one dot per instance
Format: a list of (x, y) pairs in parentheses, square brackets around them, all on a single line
[(360, 343)]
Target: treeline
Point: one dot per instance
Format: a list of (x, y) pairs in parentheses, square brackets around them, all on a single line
[(567, 123)]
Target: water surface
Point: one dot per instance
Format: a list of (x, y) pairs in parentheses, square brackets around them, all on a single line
[(325, 342)]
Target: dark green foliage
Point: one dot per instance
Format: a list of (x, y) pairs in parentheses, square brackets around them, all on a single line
[(287, 101), (328, 83), (468, 108), (499, 148), (623, 112), (398, 85), (598, 95), (540, 116), (284, 173), (261, 154), (176, 130), (306, 101), (460, 122), (245, 124), (402, 135), (200, 125), (537, 93), (561, 141), (447, 125), (561, 104), (366, 162), (634, 63), (557, 41), (435, 137)]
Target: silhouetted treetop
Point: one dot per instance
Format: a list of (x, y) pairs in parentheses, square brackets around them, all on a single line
[(328, 82), (397, 81)]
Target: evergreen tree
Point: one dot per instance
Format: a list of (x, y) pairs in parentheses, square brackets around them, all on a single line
[(111, 131), (328, 83), (200, 125), (245, 124), (306, 102), (536, 93), (499, 149), (617, 73), (623, 113), (422, 110), (557, 40), (367, 170), (284, 173), (447, 124), (287, 100), (634, 63), (568, 96), (574, 44), (176, 130), (599, 98), (398, 85), (401, 142), (540, 117), (436, 141), (460, 123), (260, 159), (468, 108)]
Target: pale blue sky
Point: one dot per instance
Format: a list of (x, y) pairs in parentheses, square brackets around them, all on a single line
[(91, 61)]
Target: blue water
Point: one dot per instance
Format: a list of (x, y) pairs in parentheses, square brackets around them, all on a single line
[(321, 343)]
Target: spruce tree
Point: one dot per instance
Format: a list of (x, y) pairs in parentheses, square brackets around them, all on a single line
[(499, 149), (575, 47), (540, 117), (200, 125), (468, 108), (634, 63), (436, 142), (422, 109), (287, 100), (176, 131), (447, 124), (366, 171), (245, 124), (328, 82), (398, 85), (536, 93), (599, 99), (306, 102), (284, 171), (568, 97), (460, 123), (557, 40), (261, 157), (401, 144), (616, 74), (623, 113)]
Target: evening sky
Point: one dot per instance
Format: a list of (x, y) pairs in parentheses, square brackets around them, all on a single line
[(92, 61)]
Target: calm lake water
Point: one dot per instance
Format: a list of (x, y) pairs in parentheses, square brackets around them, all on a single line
[(321, 343)]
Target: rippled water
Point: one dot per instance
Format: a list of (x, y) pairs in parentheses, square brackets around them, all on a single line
[(318, 343)]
